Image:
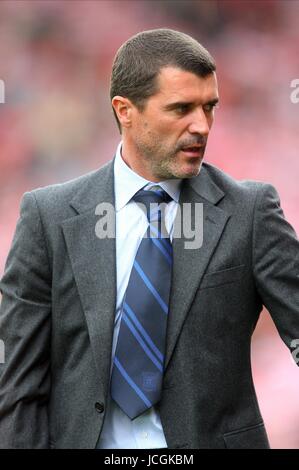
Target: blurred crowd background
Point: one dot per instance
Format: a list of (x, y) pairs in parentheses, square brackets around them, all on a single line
[(57, 123)]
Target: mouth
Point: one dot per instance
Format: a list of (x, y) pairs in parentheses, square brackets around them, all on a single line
[(193, 151)]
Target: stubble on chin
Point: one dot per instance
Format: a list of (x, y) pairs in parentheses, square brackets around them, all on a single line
[(168, 167), (172, 170)]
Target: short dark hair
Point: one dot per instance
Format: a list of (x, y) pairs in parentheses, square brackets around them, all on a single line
[(140, 59)]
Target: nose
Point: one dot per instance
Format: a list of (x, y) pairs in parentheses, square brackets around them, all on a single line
[(199, 123)]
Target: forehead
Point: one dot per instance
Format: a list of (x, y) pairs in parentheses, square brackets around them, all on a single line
[(174, 83)]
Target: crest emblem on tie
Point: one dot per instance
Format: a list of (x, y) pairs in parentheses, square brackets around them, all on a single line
[(150, 381)]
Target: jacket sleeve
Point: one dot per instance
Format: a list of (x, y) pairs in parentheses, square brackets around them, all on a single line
[(276, 264), (25, 328)]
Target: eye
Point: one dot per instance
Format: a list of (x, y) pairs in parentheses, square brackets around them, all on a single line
[(183, 108), (209, 107)]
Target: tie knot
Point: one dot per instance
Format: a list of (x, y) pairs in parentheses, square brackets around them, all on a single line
[(154, 197)]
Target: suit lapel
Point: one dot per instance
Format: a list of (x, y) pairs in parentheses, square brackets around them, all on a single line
[(93, 262), (189, 265)]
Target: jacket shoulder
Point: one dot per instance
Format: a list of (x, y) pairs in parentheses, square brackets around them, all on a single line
[(230, 185), (71, 187), (56, 197)]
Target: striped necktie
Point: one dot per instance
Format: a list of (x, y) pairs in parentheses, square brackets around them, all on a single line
[(137, 372)]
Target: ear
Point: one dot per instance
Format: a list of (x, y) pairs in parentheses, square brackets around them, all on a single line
[(123, 108)]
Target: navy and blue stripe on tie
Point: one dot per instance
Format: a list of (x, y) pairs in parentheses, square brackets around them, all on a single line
[(138, 365)]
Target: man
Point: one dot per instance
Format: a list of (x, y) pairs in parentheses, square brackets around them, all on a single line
[(144, 342)]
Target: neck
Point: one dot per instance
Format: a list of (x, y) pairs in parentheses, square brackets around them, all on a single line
[(136, 162)]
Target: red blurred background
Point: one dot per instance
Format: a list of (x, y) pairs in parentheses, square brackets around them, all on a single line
[(57, 123)]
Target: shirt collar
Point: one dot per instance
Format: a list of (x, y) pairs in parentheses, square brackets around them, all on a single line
[(127, 183)]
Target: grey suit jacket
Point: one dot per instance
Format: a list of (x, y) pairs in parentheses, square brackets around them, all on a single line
[(58, 305)]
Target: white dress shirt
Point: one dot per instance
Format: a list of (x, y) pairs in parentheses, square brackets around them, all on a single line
[(145, 431)]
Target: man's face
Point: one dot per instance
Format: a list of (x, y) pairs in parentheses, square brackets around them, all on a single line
[(169, 135)]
